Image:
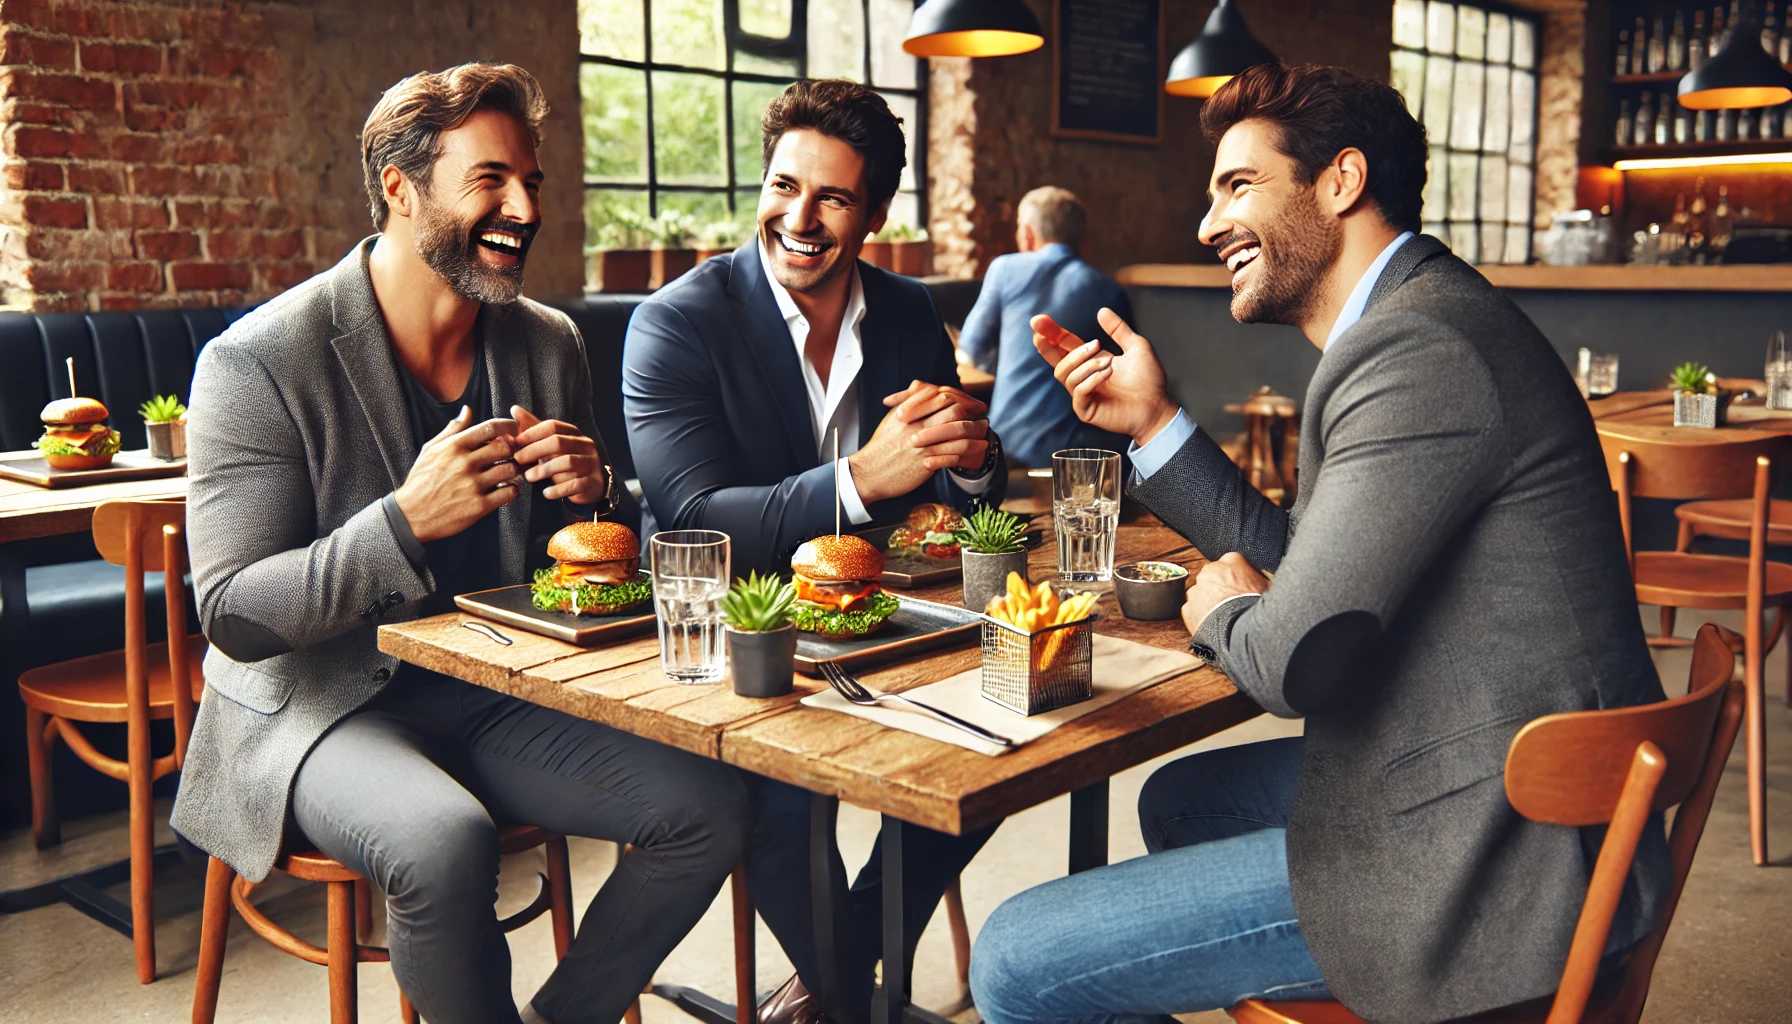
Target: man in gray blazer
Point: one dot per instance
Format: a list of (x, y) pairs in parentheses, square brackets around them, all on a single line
[(1452, 569), (379, 438)]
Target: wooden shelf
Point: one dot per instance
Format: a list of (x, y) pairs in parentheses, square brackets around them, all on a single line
[(1624, 278), (1649, 78), (1726, 148)]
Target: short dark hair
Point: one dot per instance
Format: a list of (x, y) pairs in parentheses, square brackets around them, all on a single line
[(406, 125), (853, 113), (1320, 111)]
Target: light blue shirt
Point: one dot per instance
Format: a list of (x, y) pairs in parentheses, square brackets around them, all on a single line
[(1151, 457)]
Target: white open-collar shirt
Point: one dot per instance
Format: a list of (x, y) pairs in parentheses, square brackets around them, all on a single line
[(835, 405)]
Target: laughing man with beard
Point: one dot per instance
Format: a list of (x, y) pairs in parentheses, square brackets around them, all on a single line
[(384, 436), (1452, 569)]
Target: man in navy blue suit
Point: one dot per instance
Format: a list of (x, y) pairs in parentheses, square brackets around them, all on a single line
[(734, 381)]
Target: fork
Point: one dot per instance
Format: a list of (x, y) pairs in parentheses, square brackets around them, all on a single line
[(856, 692)]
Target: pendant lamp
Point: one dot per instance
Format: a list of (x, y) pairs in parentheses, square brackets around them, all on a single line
[(973, 28), (1223, 49), (1740, 74)]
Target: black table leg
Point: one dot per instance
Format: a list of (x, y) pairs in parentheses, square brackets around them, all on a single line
[(1089, 827), (824, 814), (890, 1004)]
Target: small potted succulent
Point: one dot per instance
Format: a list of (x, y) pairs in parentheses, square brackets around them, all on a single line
[(165, 420), (1695, 396), (761, 640), (990, 548), (911, 251), (672, 252), (621, 262)]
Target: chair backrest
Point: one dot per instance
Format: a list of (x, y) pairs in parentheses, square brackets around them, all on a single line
[(150, 536), (1656, 462), (1618, 767)]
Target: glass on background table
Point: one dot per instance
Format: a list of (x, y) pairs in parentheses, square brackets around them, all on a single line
[(690, 575), (1085, 512), (1596, 372), (1778, 372)]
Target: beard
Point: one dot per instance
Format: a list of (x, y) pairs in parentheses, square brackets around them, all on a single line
[(449, 247), (1297, 250)]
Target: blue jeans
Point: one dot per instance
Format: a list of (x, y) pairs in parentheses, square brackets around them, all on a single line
[(1202, 921)]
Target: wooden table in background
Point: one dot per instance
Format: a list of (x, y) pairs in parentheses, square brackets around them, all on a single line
[(1650, 415), (907, 778), (28, 511)]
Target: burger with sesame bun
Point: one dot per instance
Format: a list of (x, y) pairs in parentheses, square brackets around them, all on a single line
[(596, 571), (76, 435), (837, 590)]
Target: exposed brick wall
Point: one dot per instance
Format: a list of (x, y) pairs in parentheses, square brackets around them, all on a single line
[(198, 152), (1560, 83)]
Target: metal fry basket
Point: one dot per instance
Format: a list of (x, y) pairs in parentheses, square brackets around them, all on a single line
[(1031, 673)]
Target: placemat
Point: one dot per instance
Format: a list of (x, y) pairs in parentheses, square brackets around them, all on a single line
[(1120, 667)]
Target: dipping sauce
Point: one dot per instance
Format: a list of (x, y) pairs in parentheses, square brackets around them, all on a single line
[(1153, 572)]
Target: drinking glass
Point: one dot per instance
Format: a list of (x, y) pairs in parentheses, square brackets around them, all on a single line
[(1779, 371), (1085, 512), (690, 575), (1601, 372)]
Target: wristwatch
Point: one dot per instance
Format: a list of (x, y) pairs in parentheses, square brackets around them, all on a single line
[(991, 456)]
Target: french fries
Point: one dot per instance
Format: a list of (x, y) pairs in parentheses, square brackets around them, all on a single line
[(1030, 610)]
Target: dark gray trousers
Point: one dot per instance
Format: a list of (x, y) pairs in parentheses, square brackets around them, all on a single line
[(408, 790)]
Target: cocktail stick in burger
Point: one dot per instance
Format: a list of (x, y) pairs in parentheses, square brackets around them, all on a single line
[(837, 589), (596, 571), (76, 435)]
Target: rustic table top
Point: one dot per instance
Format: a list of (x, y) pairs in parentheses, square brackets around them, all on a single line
[(890, 771), (28, 511), (1649, 416)]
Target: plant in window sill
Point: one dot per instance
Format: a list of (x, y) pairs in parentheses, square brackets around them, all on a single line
[(670, 234), (621, 261), (716, 238), (911, 251)]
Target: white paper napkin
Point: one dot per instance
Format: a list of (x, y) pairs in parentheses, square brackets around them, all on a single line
[(1120, 667)]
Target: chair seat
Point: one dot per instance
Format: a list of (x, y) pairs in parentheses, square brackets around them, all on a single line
[(315, 866), (1730, 518), (91, 689), (1324, 1011), (1704, 581)]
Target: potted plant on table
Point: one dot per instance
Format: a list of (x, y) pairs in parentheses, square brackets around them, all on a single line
[(672, 253), (165, 421), (911, 251), (1695, 396), (990, 548), (761, 640), (622, 262)]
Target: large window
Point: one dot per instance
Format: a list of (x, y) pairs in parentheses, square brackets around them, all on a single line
[(672, 92), (1469, 72)]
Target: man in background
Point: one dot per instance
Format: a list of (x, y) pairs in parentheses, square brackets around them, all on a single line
[(1028, 410)]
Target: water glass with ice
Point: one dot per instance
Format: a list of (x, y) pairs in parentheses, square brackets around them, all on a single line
[(690, 575), (1085, 512), (1779, 371)]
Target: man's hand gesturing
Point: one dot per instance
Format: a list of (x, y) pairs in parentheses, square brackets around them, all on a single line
[(1124, 394), (460, 476), (559, 451)]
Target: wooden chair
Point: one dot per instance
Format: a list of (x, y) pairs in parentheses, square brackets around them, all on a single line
[(1594, 768), (135, 685), (1730, 520), (1648, 463), (348, 919)]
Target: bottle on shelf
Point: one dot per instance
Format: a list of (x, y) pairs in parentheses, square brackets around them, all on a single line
[(1716, 42), (1639, 47), (1621, 60), (1770, 30), (1664, 121), (1696, 225), (1725, 124), (1643, 128), (1676, 60), (1658, 46), (1673, 240), (1701, 126), (1682, 125), (1745, 125), (1721, 224), (1698, 47), (1622, 135)]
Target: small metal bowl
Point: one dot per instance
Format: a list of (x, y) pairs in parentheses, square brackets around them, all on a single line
[(1145, 598)]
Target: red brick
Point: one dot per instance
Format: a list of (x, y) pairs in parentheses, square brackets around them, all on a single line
[(78, 91), (32, 174), (31, 140), (167, 245), (29, 112), (126, 58), (229, 245), (156, 180), (189, 277), (55, 211), (137, 148), (281, 276), (84, 244), (154, 119), (140, 21), (18, 47), (64, 277), (95, 179), (191, 213), (281, 245), (31, 13), (138, 277), (123, 212)]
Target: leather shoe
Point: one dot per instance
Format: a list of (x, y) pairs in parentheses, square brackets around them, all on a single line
[(791, 1004)]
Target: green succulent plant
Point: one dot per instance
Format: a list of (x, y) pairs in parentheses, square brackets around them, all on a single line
[(1693, 377), (162, 409), (758, 603), (990, 531)]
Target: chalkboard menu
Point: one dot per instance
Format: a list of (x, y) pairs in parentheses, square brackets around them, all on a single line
[(1107, 70)]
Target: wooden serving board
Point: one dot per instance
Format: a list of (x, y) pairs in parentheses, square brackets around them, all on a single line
[(915, 627), (136, 464), (512, 606)]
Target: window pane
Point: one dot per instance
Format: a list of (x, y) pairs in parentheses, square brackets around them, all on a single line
[(1440, 27), (1465, 120), (611, 215), (1493, 244), (1524, 114), (1433, 228), (1438, 72), (1409, 23), (701, 207), (904, 107), (688, 32), (1408, 79), (1499, 38), (1465, 241), (784, 67), (768, 18), (1518, 243), (1462, 186), (1471, 32), (612, 28), (1493, 188), (837, 39), (891, 66), (904, 209), (1496, 133), (613, 104), (687, 129), (1437, 185), (1518, 192), (1524, 44), (750, 101)]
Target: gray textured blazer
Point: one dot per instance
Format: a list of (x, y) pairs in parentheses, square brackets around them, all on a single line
[(1452, 569), (298, 432)]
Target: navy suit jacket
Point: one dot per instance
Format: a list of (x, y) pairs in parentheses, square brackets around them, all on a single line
[(718, 418)]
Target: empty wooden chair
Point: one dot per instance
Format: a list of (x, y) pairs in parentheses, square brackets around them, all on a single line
[(1730, 521), (1613, 767), (1656, 462), (142, 682)]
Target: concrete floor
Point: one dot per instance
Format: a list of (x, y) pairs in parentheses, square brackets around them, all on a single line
[(1726, 958)]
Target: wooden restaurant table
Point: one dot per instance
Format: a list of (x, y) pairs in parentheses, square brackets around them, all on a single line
[(907, 778), (28, 511), (1650, 415)]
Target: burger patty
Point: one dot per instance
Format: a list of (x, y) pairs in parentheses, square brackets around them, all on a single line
[(840, 594)]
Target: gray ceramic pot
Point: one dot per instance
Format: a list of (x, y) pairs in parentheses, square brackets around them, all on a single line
[(167, 440), (762, 662), (985, 576)]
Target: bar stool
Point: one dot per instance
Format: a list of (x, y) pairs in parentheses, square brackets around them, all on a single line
[(135, 685), (1271, 440), (348, 916)]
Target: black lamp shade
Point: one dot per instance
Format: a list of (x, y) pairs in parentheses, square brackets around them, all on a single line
[(973, 28), (1741, 74), (1223, 49)]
